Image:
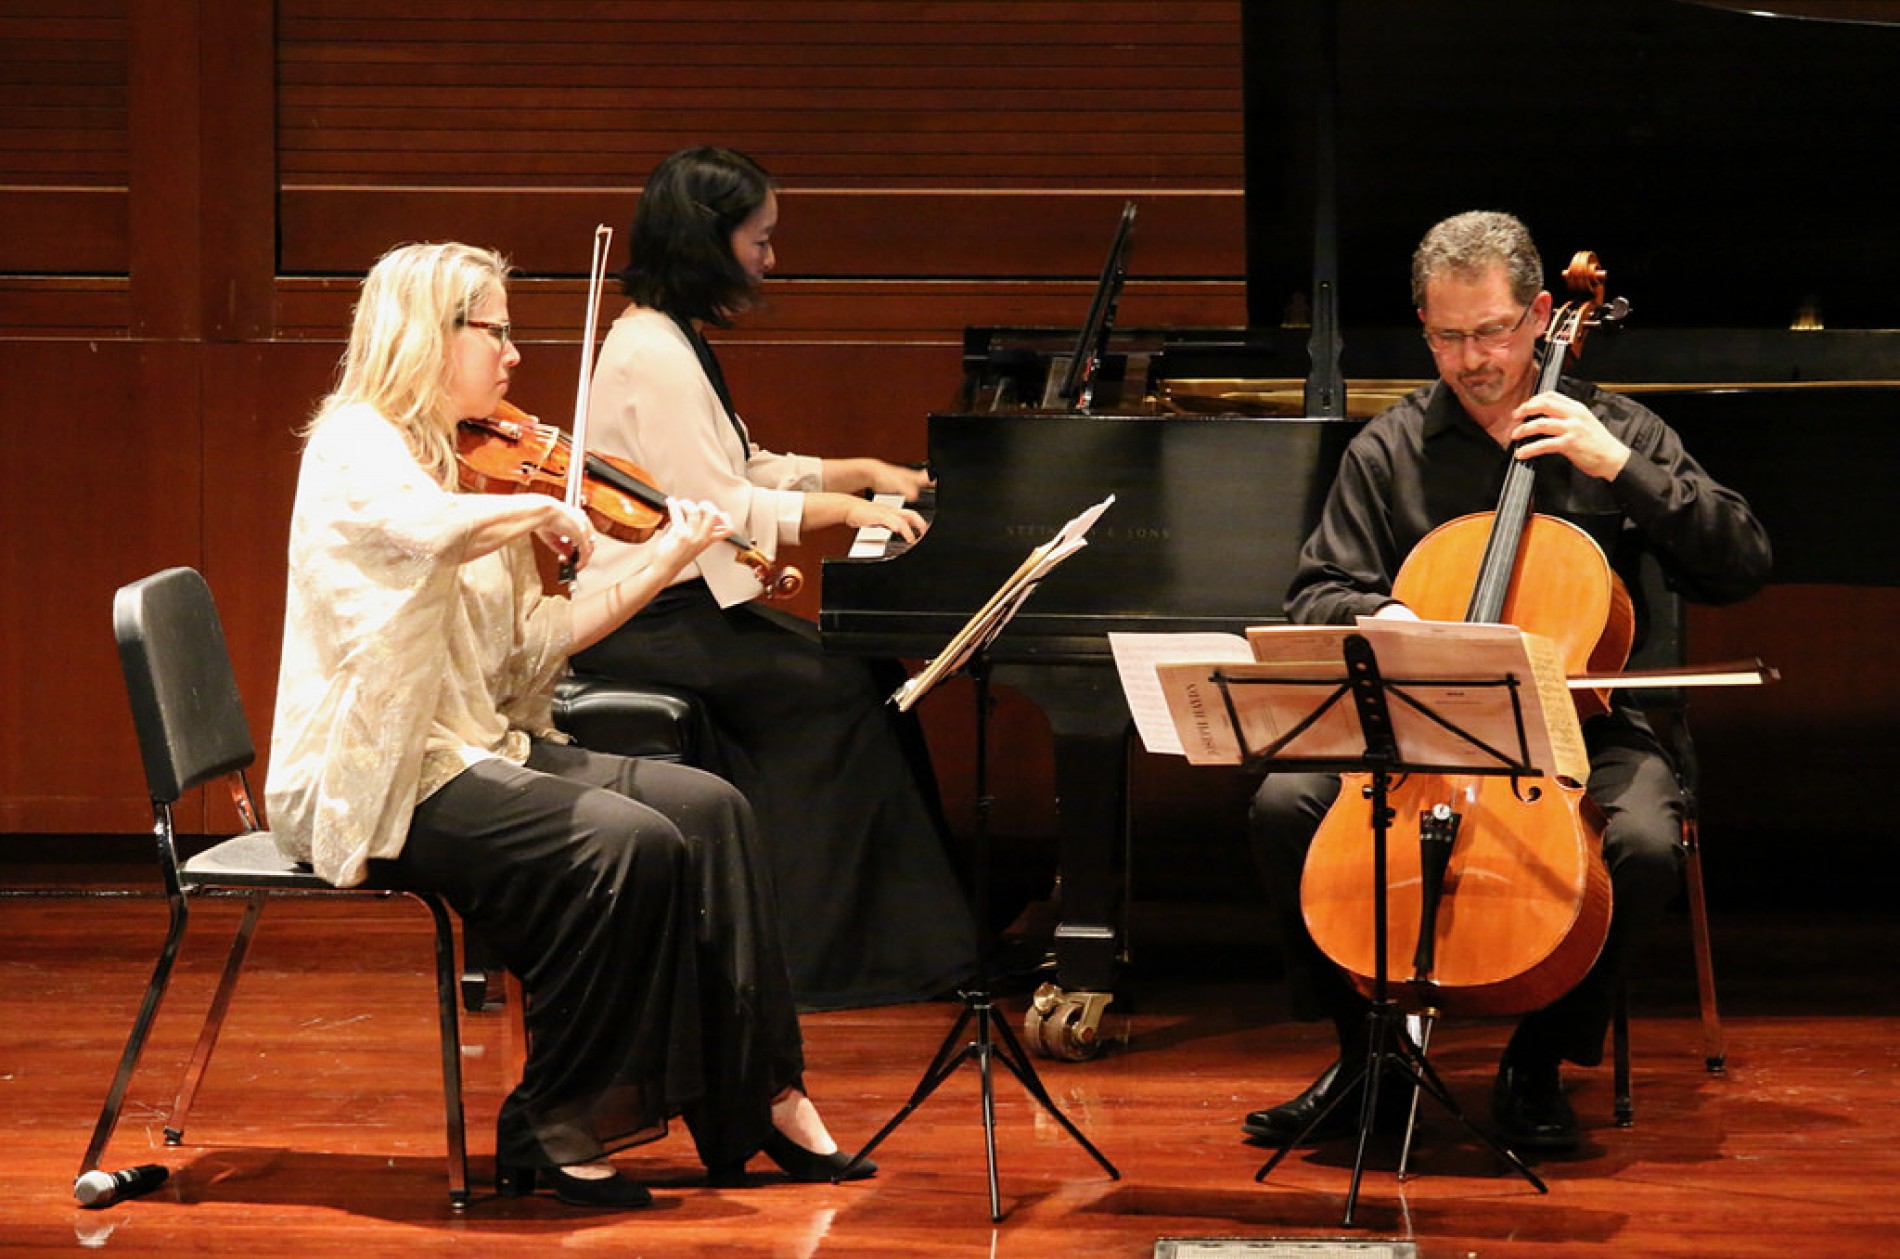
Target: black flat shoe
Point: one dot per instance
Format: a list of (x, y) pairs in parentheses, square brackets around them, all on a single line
[(1530, 1109), (1280, 1124), (615, 1191), (804, 1165)]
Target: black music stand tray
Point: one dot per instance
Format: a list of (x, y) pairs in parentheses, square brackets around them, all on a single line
[(1387, 1043), (994, 1041)]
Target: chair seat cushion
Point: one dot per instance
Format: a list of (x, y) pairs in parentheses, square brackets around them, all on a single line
[(251, 859)]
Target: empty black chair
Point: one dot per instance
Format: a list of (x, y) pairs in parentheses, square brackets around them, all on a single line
[(192, 730)]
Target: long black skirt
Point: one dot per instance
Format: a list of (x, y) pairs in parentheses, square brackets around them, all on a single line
[(629, 899), (868, 900)]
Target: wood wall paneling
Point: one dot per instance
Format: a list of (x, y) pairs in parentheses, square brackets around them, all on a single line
[(167, 152), (969, 233), (859, 313), (982, 92), (238, 171), (898, 128), (67, 231), (64, 143), (255, 399), (124, 500)]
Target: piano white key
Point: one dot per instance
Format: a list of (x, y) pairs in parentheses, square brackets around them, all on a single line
[(872, 540)]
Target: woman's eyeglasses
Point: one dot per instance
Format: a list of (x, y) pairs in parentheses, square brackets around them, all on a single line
[(501, 329)]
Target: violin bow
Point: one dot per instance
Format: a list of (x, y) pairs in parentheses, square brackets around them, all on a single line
[(1728, 673), (577, 454)]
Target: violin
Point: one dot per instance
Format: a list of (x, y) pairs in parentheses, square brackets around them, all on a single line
[(512, 452), (1505, 897)]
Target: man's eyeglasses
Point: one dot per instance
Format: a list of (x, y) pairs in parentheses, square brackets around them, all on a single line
[(1490, 337), (501, 329)]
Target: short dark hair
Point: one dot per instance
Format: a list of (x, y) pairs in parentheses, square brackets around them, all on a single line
[(680, 244)]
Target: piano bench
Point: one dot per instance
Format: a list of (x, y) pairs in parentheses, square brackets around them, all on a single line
[(605, 715), (629, 719)]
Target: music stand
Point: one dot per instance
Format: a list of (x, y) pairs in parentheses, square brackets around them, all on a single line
[(994, 1041), (1512, 711)]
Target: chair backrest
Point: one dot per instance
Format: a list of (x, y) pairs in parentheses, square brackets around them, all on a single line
[(185, 702), (1666, 636), (1666, 645)]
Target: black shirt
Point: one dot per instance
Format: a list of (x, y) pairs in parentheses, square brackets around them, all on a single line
[(1423, 461)]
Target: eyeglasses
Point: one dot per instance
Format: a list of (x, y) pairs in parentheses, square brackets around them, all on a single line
[(1490, 337), (501, 329)]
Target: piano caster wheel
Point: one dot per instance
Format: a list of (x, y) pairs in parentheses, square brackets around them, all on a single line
[(1065, 1025)]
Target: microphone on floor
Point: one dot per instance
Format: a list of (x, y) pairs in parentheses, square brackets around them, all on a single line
[(102, 1189)]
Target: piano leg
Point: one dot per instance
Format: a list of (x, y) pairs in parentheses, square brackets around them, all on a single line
[(1089, 721)]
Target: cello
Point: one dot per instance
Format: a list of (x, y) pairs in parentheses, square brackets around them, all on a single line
[(1505, 899)]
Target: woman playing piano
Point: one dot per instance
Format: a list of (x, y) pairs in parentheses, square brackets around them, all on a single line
[(870, 907)]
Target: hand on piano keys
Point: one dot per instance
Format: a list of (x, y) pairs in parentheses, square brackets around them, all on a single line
[(875, 542)]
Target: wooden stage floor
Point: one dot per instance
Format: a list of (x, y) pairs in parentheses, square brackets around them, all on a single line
[(318, 1132)]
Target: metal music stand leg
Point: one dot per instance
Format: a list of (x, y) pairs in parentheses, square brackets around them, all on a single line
[(993, 1042), (1387, 1043)]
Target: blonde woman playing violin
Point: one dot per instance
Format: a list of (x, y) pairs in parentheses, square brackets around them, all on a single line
[(413, 734)]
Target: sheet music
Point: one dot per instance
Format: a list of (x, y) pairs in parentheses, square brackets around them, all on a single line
[(1137, 658), (1275, 696), (1267, 687), (995, 613), (1460, 649)]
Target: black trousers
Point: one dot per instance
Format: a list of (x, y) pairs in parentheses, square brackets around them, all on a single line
[(1631, 781), (870, 904), (629, 899)]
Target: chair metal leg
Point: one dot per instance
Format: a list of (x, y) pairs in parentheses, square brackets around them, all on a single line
[(448, 995), (482, 988), (1419, 1028), (214, 1019), (135, 1040), (1714, 1044), (1625, 1104)]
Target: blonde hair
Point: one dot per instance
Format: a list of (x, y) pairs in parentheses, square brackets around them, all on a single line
[(397, 362)]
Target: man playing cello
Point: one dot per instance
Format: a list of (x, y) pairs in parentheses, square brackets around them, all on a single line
[(1605, 464)]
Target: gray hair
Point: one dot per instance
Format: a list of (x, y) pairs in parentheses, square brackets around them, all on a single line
[(1470, 244)]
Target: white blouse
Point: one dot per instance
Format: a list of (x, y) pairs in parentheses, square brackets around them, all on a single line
[(650, 402), (403, 664)]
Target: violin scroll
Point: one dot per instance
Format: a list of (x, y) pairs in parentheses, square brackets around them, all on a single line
[(781, 583)]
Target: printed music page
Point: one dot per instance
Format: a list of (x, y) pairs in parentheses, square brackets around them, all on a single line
[(1427, 659), (1137, 658), (989, 620), (1292, 676)]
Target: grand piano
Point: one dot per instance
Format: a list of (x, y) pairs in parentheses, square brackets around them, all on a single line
[(1219, 444)]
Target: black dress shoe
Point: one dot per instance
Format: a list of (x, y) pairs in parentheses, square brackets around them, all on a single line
[(806, 1165), (797, 1162), (615, 1191), (1530, 1109), (1284, 1122)]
